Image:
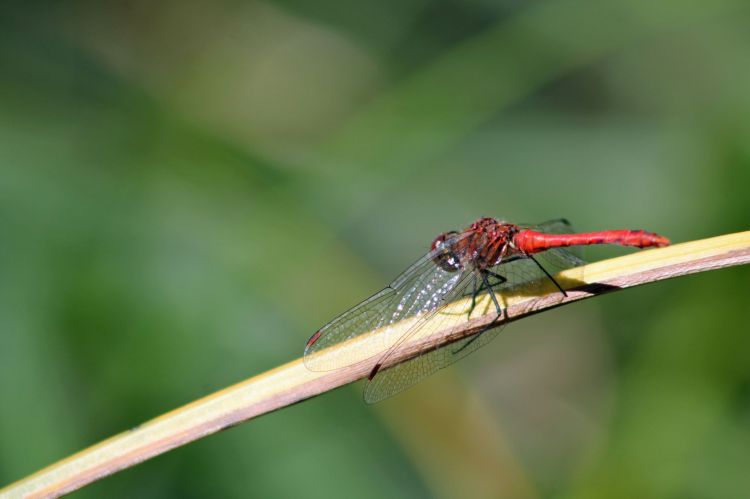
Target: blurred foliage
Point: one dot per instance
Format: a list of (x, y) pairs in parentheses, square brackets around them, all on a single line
[(188, 189)]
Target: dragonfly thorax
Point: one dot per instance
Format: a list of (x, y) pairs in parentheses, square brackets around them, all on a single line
[(482, 245), (488, 242)]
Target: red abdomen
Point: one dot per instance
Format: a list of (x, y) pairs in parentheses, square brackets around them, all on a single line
[(530, 241)]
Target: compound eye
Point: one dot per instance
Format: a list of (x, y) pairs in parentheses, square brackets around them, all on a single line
[(443, 239), (446, 258)]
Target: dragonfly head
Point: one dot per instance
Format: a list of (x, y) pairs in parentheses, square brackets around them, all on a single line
[(445, 256)]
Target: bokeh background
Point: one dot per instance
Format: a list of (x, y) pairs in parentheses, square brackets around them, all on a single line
[(189, 189)]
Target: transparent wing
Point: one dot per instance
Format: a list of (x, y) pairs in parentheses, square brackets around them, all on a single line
[(418, 291), (406, 374), (401, 376), (556, 226)]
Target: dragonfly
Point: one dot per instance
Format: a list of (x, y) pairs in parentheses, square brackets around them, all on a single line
[(490, 258)]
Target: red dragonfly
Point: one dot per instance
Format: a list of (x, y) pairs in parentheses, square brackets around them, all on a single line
[(490, 256)]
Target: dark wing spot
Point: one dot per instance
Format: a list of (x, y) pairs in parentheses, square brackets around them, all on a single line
[(374, 371), (313, 339)]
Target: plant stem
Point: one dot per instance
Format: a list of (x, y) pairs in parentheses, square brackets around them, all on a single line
[(292, 382)]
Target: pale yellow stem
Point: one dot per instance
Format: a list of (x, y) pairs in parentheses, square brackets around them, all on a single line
[(292, 382)]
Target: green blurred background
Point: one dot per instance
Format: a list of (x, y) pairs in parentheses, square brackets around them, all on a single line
[(189, 189)]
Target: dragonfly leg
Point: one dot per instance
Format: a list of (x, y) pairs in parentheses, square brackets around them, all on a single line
[(548, 275), (491, 292), (500, 278), (474, 293), (475, 290), (485, 284)]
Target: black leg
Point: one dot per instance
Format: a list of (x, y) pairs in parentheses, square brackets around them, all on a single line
[(500, 278), (485, 284), (474, 293), (548, 275), (491, 292)]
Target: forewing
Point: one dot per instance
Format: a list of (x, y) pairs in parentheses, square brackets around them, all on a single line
[(416, 292), (425, 292)]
